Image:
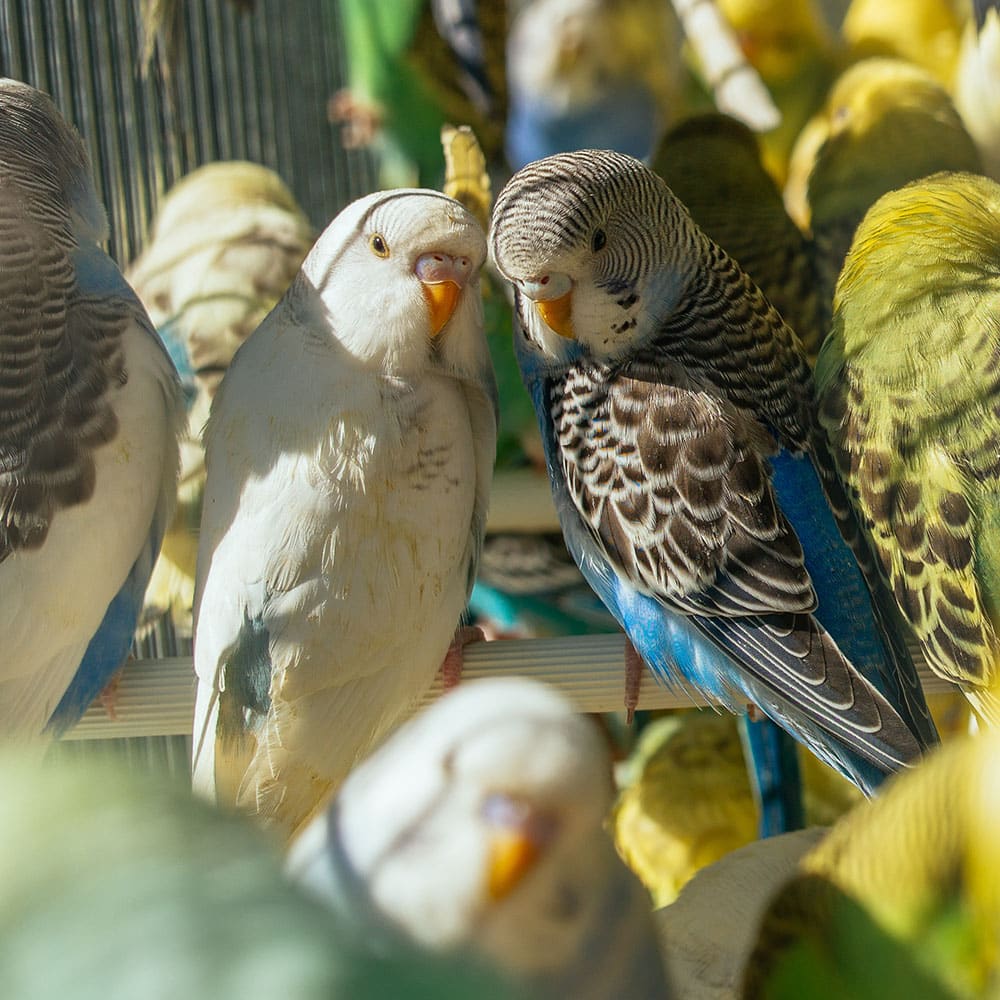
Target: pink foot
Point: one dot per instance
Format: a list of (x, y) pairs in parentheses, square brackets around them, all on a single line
[(109, 696), (634, 667), (360, 121), (451, 668)]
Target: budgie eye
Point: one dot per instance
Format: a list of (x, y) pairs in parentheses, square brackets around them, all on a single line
[(379, 246), (598, 240)]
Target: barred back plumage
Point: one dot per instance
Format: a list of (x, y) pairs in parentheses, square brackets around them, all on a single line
[(678, 414)]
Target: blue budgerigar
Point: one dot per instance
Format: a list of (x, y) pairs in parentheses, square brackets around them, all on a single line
[(91, 413), (678, 418)]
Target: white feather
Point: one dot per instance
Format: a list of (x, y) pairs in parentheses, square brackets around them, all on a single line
[(348, 459)]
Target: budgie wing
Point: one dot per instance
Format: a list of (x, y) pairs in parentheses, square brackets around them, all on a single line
[(62, 355), (673, 486), (931, 508)]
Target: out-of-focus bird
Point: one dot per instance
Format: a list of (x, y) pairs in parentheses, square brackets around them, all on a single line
[(909, 397), (685, 801), (477, 828), (905, 888), (91, 415), (115, 886), (227, 241), (677, 414), (888, 122), (927, 33), (349, 455), (712, 163), (977, 83), (412, 66), (796, 54), (585, 73), (708, 933)]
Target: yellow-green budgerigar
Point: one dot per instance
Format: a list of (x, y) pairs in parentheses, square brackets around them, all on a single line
[(909, 395), (901, 898), (888, 122), (796, 54), (713, 164), (227, 241)]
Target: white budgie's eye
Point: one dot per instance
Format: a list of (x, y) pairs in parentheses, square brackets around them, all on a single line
[(599, 240), (379, 246)]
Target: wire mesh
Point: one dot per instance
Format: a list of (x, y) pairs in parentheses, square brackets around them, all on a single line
[(243, 84)]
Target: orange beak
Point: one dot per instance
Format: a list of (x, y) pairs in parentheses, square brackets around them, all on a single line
[(512, 854), (557, 314), (442, 297)]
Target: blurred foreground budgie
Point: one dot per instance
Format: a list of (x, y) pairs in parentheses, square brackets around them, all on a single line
[(677, 415), (902, 897), (910, 398), (349, 456), (477, 829), (227, 241), (91, 415), (114, 886)]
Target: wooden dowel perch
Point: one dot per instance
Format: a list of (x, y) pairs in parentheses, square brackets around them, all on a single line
[(156, 696)]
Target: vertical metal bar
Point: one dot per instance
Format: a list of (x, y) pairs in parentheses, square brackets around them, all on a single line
[(222, 92), (245, 70)]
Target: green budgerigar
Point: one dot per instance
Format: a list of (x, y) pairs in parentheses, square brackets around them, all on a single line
[(909, 395), (116, 885), (886, 122)]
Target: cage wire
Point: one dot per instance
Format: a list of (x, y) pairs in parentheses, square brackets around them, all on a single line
[(243, 83), (249, 84)]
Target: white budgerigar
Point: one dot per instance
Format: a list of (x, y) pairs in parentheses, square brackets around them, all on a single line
[(349, 455), (478, 829), (91, 412)]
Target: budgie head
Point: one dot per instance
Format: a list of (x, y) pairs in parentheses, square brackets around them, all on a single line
[(43, 156), (395, 277), (478, 823), (597, 247)]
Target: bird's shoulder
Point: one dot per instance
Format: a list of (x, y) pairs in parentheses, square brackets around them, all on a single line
[(673, 483)]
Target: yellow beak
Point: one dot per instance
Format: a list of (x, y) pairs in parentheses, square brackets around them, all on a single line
[(512, 854), (557, 314), (442, 297)]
